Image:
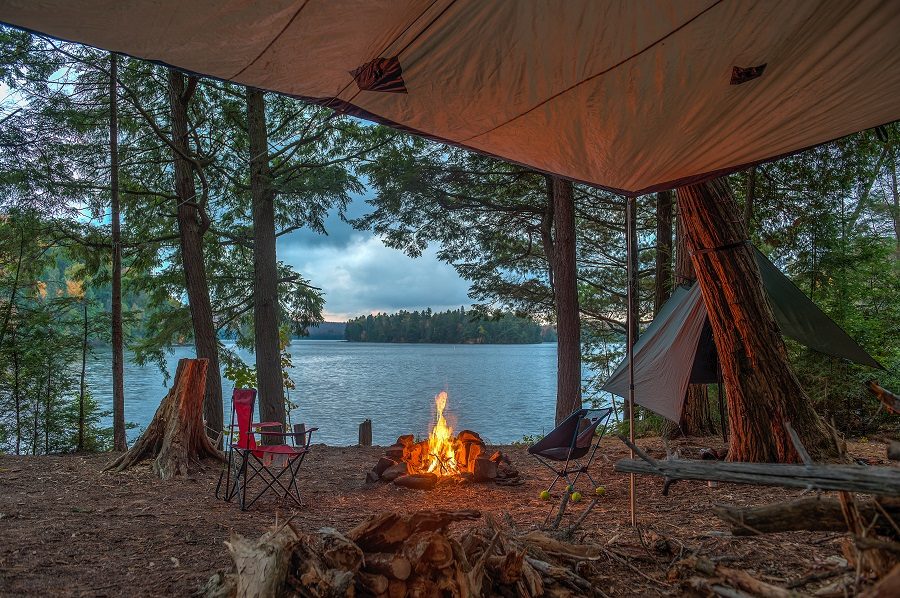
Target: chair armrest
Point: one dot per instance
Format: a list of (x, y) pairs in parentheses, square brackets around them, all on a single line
[(267, 425)]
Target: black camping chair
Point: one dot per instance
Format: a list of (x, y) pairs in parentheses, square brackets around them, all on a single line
[(569, 442)]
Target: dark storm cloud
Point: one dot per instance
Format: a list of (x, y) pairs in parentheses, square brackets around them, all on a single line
[(359, 275)]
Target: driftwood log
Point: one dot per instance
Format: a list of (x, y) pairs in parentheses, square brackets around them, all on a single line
[(884, 481), (176, 439), (818, 514)]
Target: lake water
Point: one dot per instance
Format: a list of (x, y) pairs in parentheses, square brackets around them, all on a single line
[(501, 391)]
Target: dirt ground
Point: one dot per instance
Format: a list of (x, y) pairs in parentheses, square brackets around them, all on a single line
[(68, 529)]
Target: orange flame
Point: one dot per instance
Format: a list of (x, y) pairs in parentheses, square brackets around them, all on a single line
[(440, 443)]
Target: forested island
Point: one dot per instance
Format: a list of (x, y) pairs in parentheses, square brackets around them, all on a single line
[(451, 326)]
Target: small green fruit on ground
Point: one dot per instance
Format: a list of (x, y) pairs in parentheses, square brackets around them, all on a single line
[(545, 495), (600, 491), (576, 496)]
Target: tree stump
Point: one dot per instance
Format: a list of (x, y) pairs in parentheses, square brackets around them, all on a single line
[(175, 439), (365, 433)]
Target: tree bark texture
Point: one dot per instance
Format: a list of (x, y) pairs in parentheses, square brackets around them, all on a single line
[(118, 353), (696, 415), (175, 438), (762, 390), (663, 286), (191, 226), (565, 290), (269, 381)]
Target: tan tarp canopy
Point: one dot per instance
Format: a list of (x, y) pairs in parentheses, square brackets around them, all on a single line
[(631, 95)]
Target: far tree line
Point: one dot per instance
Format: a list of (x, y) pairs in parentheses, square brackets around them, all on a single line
[(451, 326)]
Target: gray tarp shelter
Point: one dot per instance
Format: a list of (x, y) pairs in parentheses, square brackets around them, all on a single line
[(677, 348)]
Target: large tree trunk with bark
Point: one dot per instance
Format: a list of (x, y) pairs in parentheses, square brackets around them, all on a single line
[(192, 225), (696, 415), (762, 390), (663, 279), (175, 439), (265, 273), (118, 356), (565, 291)]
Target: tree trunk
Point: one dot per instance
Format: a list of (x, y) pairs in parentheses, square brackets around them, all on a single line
[(17, 398), (565, 290), (750, 200), (269, 381), (663, 286), (192, 224), (47, 414), (696, 416), (762, 390), (175, 439), (118, 353), (81, 386)]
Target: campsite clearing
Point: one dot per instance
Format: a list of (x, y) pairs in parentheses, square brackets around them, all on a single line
[(71, 530)]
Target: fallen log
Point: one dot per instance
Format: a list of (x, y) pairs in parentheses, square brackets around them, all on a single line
[(817, 514), (884, 481)]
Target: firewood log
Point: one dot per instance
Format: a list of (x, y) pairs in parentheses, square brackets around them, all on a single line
[(485, 470), (394, 471), (437, 519), (397, 589), (394, 452), (372, 583), (421, 587), (261, 565), (391, 565), (428, 550), (338, 552), (380, 533), (417, 481), (383, 464)]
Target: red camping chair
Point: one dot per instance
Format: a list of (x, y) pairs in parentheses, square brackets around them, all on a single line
[(275, 465)]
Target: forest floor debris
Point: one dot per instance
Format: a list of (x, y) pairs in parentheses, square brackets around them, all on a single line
[(70, 529)]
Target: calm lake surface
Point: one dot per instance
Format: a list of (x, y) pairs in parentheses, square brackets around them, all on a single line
[(501, 391)]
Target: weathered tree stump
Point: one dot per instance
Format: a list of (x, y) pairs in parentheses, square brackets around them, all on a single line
[(365, 433), (175, 439)]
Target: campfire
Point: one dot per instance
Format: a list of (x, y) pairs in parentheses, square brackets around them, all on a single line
[(442, 457)]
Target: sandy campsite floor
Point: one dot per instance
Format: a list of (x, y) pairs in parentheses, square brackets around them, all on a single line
[(68, 529)]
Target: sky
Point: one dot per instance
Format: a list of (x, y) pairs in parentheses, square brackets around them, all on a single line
[(360, 276)]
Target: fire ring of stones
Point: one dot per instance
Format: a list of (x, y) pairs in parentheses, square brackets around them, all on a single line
[(461, 459)]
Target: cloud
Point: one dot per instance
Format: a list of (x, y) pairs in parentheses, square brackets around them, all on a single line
[(359, 275)]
